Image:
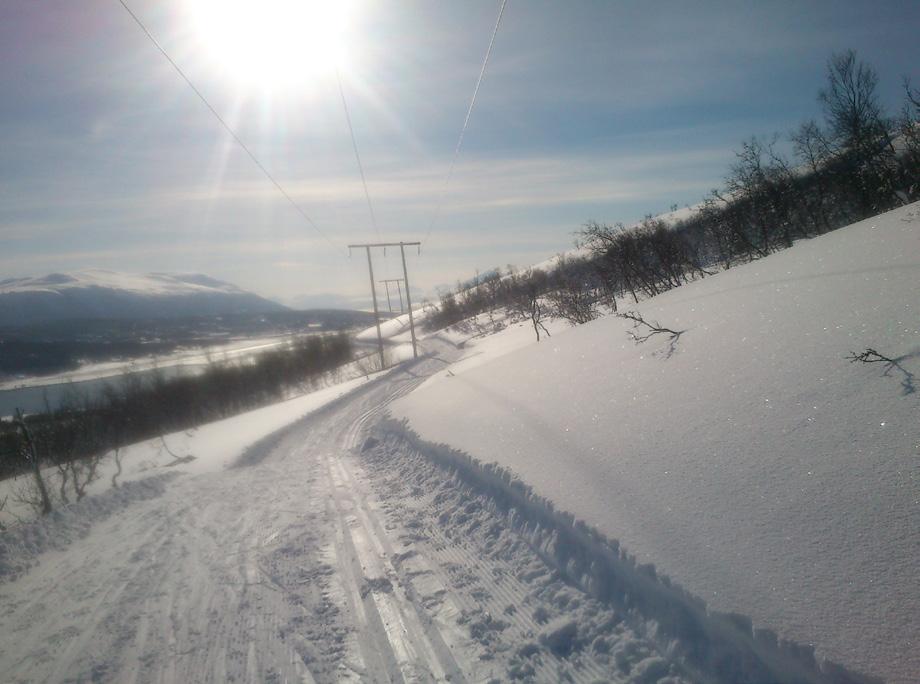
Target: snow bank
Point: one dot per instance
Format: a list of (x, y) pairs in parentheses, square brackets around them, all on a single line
[(716, 646), (750, 461)]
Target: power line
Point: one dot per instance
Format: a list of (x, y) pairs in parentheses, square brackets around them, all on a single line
[(354, 144), (226, 126), (466, 122)]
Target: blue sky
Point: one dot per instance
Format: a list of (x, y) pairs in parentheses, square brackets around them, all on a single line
[(589, 111)]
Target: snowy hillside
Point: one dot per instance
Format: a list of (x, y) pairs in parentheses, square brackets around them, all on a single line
[(748, 459), (110, 294)]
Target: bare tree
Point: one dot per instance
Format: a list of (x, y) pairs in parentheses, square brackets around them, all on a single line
[(83, 473), (851, 106), (909, 127), (813, 149), (527, 290), (30, 453), (857, 126)]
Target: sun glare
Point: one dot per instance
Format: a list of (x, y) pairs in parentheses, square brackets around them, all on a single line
[(273, 44)]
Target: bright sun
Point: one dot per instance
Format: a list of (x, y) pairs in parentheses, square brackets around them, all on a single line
[(273, 44)]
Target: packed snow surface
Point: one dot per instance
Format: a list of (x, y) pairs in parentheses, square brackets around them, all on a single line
[(748, 459)]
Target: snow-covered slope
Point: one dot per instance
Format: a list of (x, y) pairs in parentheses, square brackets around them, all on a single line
[(110, 294), (750, 460)]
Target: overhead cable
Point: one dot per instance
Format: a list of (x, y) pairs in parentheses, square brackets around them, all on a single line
[(227, 127), (466, 123), (354, 144)]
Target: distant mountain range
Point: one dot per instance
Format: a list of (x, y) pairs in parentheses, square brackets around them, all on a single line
[(102, 294)]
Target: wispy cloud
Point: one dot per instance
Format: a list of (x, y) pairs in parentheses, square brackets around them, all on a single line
[(589, 110)]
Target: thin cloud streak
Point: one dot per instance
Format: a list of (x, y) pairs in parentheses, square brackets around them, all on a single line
[(603, 111)]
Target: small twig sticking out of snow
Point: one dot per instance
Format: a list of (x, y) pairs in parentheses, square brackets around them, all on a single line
[(166, 446), (116, 454), (654, 328), (177, 459), (872, 356)]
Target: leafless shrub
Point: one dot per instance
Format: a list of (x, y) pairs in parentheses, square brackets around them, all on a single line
[(84, 471), (26, 493), (572, 296)]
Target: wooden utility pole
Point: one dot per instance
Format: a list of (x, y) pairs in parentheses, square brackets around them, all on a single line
[(370, 267), (387, 285), (402, 251)]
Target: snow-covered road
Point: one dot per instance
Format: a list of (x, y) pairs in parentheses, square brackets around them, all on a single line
[(320, 557)]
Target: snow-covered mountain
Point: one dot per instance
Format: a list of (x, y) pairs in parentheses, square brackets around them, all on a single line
[(100, 293)]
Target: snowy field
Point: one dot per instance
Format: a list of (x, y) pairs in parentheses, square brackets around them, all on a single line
[(749, 460)]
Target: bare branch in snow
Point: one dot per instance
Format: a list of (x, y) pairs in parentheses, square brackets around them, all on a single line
[(643, 330), (872, 356), (177, 459)]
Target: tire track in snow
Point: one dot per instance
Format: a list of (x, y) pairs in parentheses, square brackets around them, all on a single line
[(484, 588), (405, 646), (406, 612)]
